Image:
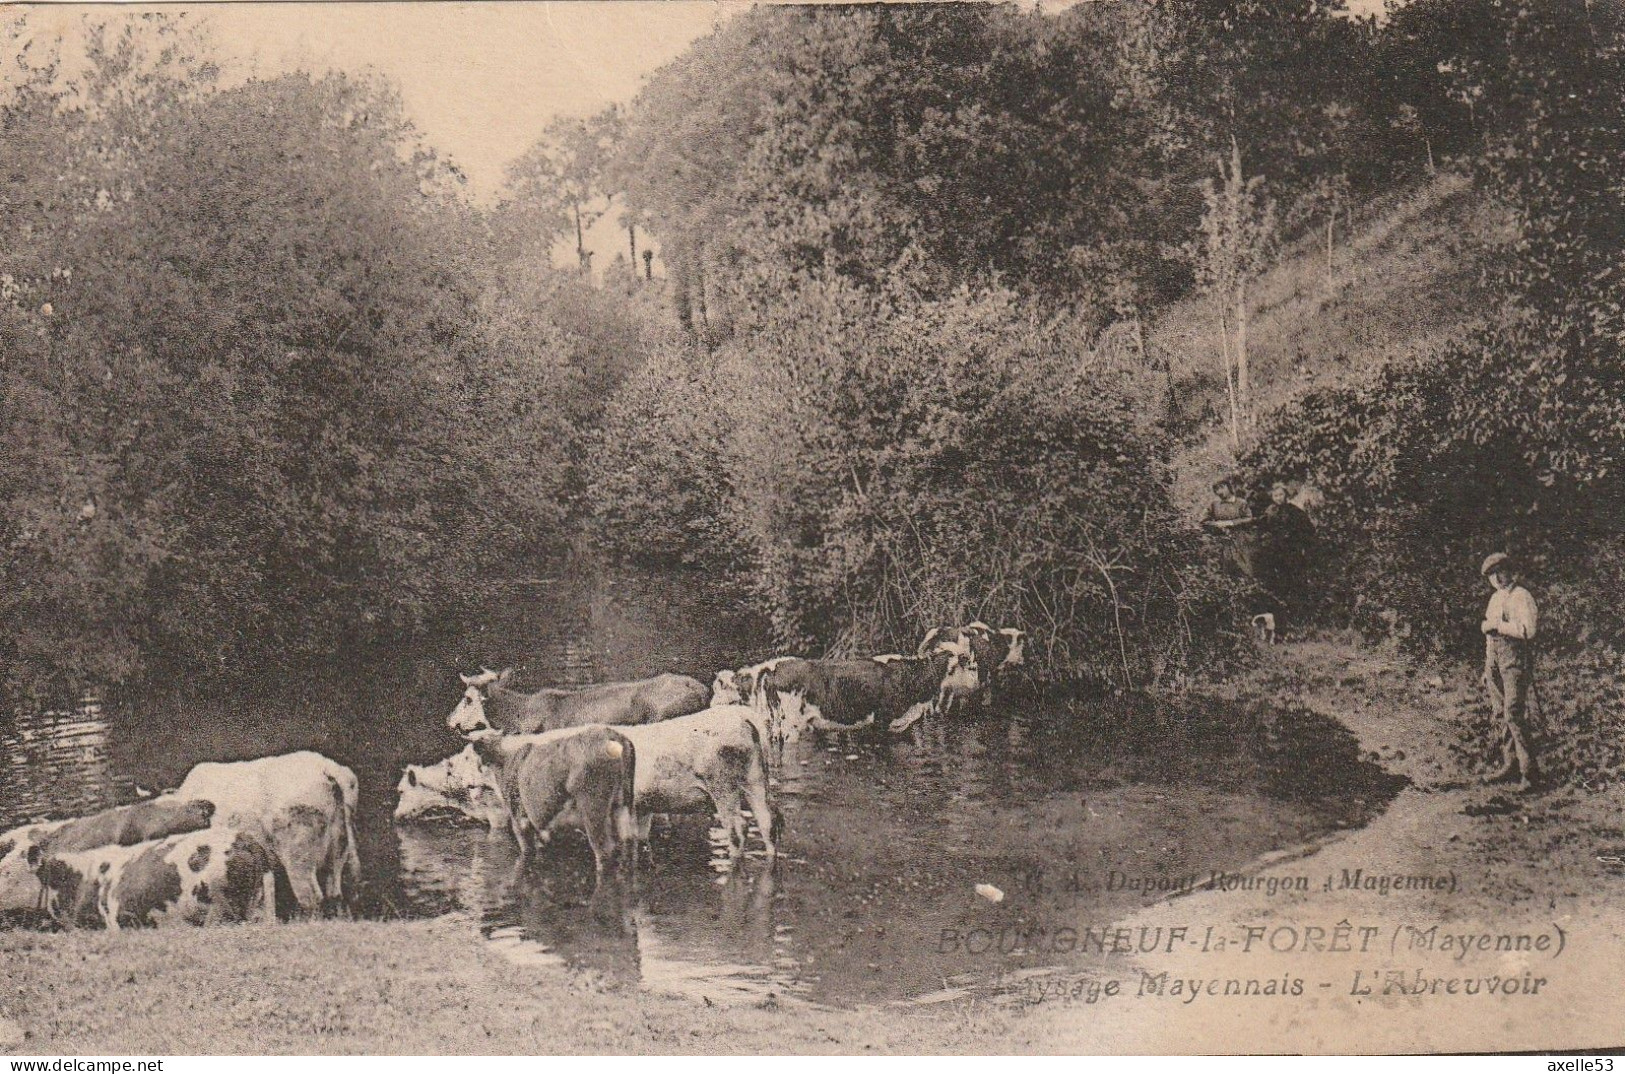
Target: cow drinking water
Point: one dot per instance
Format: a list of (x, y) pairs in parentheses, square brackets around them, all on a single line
[(847, 694), (711, 762)]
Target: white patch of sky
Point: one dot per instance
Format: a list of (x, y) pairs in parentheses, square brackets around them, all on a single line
[(479, 80)]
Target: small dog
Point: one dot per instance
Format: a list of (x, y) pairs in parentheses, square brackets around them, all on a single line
[(1264, 627)]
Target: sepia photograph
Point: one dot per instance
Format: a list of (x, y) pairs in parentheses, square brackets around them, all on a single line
[(705, 527)]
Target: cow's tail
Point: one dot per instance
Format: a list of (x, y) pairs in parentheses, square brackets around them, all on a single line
[(350, 870), (768, 820), (626, 819), (767, 686)]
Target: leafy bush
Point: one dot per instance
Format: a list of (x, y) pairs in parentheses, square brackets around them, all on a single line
[(889, 463), (658, 489), (251, 421), (1494, 443)]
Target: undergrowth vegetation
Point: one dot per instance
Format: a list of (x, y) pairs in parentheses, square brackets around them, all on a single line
[(878, 464), (958, 299)]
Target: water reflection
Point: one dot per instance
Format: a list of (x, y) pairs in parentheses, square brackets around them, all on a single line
[(886, 839), (58, 763), (886, 842)]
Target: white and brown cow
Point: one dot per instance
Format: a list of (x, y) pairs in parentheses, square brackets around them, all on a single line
[(848, 694), (996, 654), (301, 805), (201, 878), (119, 826)]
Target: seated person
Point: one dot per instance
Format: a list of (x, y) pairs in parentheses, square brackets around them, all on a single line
[(1228, 510)]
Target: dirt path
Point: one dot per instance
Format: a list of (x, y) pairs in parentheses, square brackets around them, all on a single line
[(1369, 956)]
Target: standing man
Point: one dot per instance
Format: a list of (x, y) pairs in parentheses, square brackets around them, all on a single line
[(1509, 637), (1288, 543)]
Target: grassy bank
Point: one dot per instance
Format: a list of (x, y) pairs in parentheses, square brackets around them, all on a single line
[(1406, 275), (420, 987)]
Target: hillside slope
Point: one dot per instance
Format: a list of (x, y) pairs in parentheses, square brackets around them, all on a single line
[(1409, 276)]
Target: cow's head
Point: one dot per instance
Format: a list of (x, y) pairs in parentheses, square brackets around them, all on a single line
[(19, 883), (469, 715), (962, 663), (1018, 648), (725, 689), (958, 646), (459, 786)]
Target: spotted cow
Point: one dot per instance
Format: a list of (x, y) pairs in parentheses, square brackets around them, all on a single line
[(201, 878), (848, 694), (996, 653)]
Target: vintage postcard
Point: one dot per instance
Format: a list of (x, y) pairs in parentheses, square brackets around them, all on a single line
[(645, 528)]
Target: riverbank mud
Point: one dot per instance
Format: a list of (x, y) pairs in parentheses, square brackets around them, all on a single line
[(1462, 919)]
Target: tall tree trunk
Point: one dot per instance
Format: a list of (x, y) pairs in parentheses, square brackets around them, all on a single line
[(1244, 384), (1229, 382), (581, 244), (632, 237), (1331, 220)]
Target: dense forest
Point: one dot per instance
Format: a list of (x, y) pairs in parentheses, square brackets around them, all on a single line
[(273, 386)]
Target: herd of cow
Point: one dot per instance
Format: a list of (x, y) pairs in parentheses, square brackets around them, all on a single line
[(275, 837), (234, 842), (609, 758)]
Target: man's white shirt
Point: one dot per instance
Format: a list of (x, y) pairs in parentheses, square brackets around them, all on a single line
[(1512, 614)]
